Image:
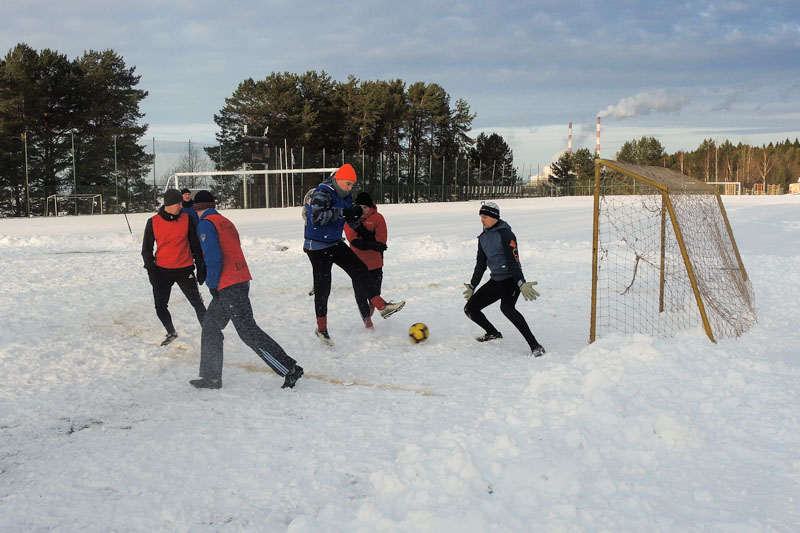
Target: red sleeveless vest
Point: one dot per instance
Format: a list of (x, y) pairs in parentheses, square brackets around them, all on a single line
[(172, 240), (234, 266)]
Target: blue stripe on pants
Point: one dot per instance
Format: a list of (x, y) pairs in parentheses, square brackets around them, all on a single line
[(232, 304)]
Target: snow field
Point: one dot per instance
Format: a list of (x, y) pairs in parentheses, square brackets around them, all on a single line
[(100, 431)]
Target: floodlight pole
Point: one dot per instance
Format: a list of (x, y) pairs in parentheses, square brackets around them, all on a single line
[(74, 173), (244, 185), (27, 189), (116, 180), (155, 191)]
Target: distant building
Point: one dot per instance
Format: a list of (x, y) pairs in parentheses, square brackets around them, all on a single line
[(542, 177)]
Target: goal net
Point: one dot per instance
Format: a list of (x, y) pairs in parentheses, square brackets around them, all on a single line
[(664, 258), (66, 203), (727, 187)]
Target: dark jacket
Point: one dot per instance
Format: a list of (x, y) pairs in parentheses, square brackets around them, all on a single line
[(497, 249), (151, 238), (364, 237), (324, 218)]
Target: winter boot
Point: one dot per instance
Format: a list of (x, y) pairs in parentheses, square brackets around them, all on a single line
[(169, 338), (391, 308), (291, 378), (537, 351), (323, 336), (206, 383), (490, 337)]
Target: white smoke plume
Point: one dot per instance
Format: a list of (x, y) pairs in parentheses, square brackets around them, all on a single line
[(645, 103)]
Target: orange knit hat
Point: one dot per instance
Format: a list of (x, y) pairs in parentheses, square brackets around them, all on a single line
[(346, 172)]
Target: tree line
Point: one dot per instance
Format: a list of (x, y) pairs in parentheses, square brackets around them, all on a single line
[(69, 126), (390, 124), (770, 164), (74, 126)]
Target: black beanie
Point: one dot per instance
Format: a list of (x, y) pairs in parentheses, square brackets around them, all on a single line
[(172, 197), (185, 190), (203, 200), (490, 209), (364, 198)]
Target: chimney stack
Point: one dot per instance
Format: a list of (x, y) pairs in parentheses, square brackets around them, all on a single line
[(569, 149), (597, 150)]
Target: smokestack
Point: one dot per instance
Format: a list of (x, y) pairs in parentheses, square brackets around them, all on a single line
[(597, 150), (569, 149)]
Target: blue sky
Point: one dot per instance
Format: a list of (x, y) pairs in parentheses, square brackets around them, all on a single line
[(680, 72)]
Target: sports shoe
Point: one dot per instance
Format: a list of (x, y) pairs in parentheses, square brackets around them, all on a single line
[(323, 336), (391, 308), (206, 383), (169, 338), (291, 378), (368, 323), (490, 337), (537, 351)]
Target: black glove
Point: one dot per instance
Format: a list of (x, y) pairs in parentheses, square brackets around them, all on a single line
[(201, 274), (377, 246), (352, 213), (364, 233)]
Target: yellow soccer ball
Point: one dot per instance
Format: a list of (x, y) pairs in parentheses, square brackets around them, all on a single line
[(418, 333)]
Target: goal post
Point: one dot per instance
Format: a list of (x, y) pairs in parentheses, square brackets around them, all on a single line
[(663, 256), (286, 183), (93, 199), (727, 187)]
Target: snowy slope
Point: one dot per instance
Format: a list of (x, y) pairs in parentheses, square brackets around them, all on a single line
[(100, 430)]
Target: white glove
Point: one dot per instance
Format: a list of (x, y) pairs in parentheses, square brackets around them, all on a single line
[(469, 289), (527, 290)]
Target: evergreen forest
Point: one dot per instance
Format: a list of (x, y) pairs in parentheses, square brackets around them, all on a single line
[(75, 127)]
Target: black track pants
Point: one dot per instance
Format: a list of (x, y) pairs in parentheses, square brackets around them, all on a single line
[(322, 262), (233, 304), (375, 278), (162, 280), (507, 292)]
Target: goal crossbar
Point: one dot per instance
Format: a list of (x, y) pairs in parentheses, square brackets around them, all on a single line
[(173, 182)]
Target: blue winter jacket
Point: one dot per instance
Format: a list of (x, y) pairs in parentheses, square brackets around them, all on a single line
[(209, 240), (324, 218)]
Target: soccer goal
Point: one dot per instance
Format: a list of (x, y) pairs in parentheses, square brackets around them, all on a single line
[(663, 257), (94, 201), (285, 186), (727, 187)]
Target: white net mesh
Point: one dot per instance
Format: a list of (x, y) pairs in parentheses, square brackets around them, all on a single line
[(643, 280)]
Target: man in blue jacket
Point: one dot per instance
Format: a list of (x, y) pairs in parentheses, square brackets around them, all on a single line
[(330, 207), (497, 249), (228, 281)]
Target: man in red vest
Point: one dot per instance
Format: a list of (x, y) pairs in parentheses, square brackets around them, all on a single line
[(178, 251), (229, 283)]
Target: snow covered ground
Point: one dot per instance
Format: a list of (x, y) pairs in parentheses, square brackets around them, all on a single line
[(100, 430)]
